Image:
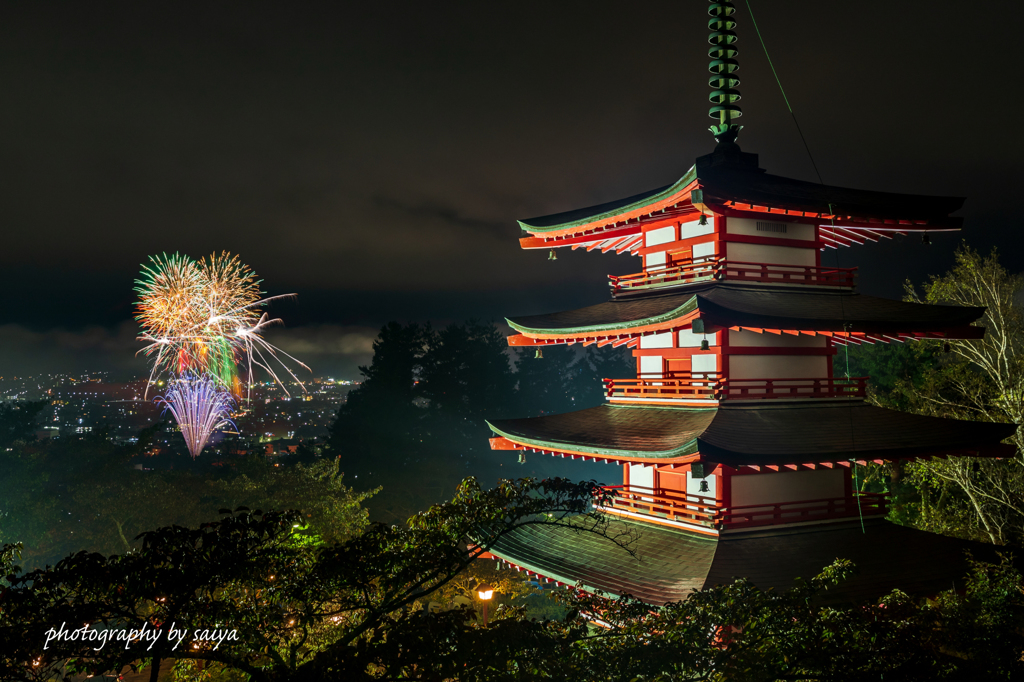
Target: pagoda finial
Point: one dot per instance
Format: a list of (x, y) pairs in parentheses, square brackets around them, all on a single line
[(724, 66)]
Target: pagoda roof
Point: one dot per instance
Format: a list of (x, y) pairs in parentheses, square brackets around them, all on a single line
[(759, 307), (730, 182), (754, 435), (670, 563)]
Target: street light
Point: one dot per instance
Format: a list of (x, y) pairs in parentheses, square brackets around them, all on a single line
[(486, 593)]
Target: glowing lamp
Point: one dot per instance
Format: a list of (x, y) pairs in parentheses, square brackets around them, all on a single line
[(485, 592)]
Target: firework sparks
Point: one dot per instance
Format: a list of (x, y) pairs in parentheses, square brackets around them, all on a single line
[(200, 407), (200, 321), (205, 317)]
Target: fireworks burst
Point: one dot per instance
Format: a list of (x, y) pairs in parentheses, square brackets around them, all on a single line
[(200, 407), (201, 320), (204, 317)]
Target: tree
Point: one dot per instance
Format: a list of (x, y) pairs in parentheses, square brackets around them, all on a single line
[(382, 412), (979, 379), (351, 610), (354, 610), (63, 495), (18, 421), (466, 377)]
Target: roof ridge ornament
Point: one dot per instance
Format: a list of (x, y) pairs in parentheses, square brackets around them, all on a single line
[(724, 65)]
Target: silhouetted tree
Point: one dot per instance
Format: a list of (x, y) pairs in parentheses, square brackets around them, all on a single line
[(466, 377), (18, 421), (381, 415)]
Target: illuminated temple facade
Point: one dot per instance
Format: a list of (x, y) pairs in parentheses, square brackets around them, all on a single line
[(736, 439)]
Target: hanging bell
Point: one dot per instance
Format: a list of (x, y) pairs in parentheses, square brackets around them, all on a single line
[(925, 239), (539, 355), (704, 345), (522, 457), (703, 220), (552, 255)]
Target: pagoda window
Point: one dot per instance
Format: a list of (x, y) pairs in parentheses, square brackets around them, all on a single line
[(773, 229)]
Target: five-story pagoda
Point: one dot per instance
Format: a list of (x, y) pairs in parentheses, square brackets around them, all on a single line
[(736, 440)]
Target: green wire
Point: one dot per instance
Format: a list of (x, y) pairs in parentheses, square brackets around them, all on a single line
[(783, 91), (846, 346)]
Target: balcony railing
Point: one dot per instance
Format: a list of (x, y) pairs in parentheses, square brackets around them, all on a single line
[(703, 511), (668, 386), (672, 505), (716, 267), (711, 386)]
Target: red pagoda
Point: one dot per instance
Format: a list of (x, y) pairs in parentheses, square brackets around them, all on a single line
[(736, 439)]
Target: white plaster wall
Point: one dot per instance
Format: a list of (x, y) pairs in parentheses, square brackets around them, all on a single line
[(695, 229), (687, 339), (656, 340), (745, 338), (641, 476), (703, 249), (654, 260), (707, 362), (693, 485), (778, 366), (790, 486), (651, 364), (748, 226), (777, 255), (662, 235)]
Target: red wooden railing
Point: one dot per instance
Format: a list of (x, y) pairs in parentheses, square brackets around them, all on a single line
[(674, 385), (840, 387), (684, 272), (711, 386), (716, 267), (677, 506), (746, 516)]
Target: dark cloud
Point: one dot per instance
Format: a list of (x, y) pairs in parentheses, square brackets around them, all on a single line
[(373, 158)]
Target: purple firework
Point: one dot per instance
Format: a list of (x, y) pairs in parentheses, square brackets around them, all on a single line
[(200, 406)]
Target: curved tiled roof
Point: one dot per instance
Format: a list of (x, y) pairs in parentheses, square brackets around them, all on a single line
[(735, 177), (730, 305), (786, 433), (795, 433), (614, 429), (670, 564), (591, 213)]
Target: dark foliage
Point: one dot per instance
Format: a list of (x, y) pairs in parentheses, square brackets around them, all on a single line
[(417, 423), (352, 610)]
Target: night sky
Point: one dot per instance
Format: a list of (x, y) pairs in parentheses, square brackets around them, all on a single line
[(373, 157)]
